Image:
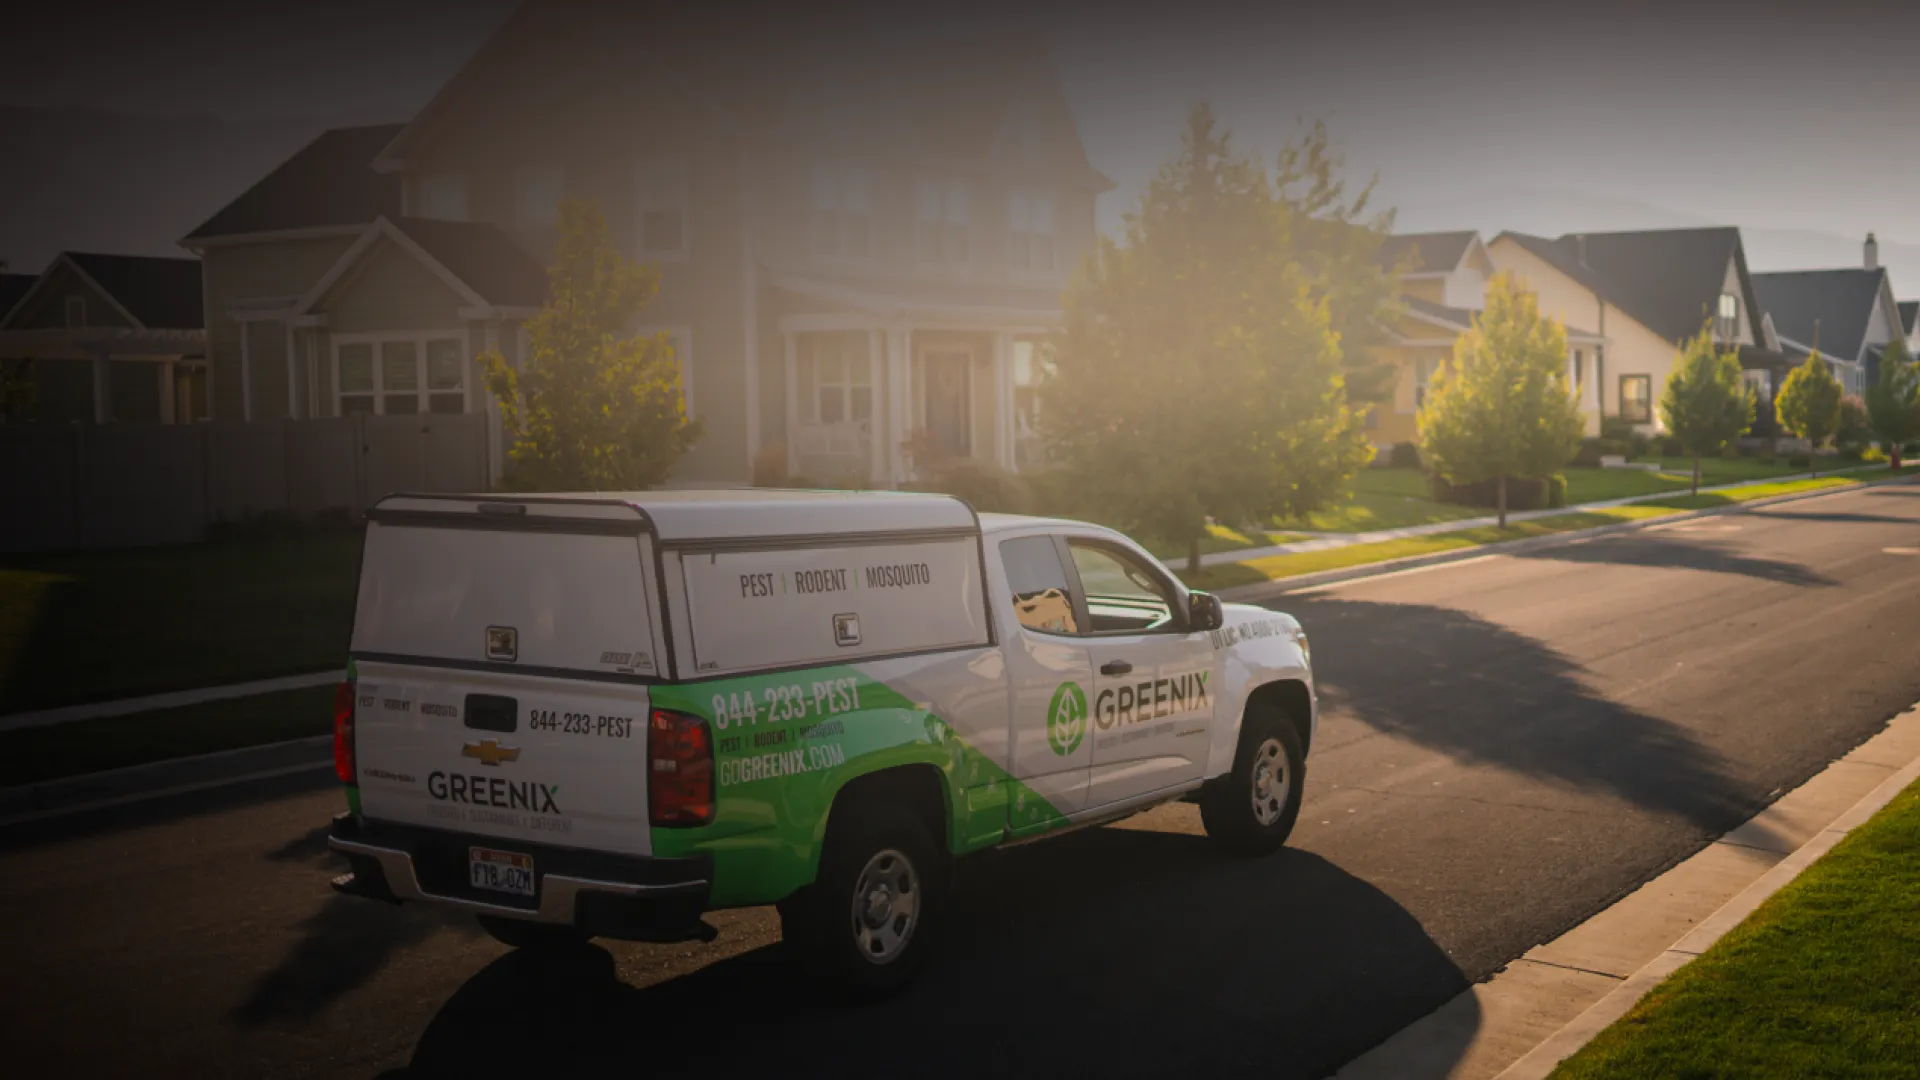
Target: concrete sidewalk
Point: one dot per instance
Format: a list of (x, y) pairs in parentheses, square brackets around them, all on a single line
[(128, 706), (1341, 540)]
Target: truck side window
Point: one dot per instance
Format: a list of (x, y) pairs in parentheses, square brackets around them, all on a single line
[(1042, 597), (1123, 596)]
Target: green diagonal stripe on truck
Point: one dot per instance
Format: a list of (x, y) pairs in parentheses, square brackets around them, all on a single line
[(784, 746)]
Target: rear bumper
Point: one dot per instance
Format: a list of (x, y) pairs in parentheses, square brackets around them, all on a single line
[(618, 896)]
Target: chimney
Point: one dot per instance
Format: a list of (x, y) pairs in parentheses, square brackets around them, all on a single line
[(1872, 252)]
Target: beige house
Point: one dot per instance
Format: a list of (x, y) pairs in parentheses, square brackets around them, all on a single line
[(1643, 294), (858, 247)]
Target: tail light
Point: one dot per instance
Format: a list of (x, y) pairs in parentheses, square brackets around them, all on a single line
[(343, 763), (680, 773)]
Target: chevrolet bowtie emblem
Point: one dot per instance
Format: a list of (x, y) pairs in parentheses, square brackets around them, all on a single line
[(490, 752)]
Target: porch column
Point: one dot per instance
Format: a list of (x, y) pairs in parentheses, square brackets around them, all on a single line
[(882, 432), (102, 389), (790, 347), (1003, 397), (293, 377), (168, 407), (246, 375), (899, 402), (496, 432)]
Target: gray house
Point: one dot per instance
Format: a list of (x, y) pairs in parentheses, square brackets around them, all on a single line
[(857, 247), (1849, 315)]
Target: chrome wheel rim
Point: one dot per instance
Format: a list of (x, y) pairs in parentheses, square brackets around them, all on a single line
[(886, 906), (1272, 783)]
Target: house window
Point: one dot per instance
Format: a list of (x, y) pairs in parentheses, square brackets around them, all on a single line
[(1636, 399), (76, 311), (1030, 217), (440, 195), (942, 230), (400, 375), (537, 192), (1728, 316), (1423, 369), (680, 340), (660, 206), (1761, 381), (842, 221), (842, 380)]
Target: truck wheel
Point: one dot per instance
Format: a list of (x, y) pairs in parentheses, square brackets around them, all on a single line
[(869, 920), (1251, 810), (531, 936)]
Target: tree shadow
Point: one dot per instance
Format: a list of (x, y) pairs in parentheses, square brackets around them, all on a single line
[(1478, 692), (1903, 491), (1679, 552), (1112, 951), (1840, 517)]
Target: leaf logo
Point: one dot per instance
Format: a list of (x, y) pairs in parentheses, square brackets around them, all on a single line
[(1067, 718)]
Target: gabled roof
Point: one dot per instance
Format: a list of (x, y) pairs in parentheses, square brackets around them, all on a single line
[(1429, 253), (155, 293), (1910, 316), (1824, 309), (328, 183), (13, 287), (1668, 280), (478, 262), (1461, 319)]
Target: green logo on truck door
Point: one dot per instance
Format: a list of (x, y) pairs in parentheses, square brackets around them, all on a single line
[(1067, 718)]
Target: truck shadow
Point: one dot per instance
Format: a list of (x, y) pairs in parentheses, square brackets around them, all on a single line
[(1676, 551), (1112, 952)]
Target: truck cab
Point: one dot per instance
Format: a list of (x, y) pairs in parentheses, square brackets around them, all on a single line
[(603, 715)]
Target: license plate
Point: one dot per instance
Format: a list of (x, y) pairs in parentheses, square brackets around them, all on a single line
[(500, 871)]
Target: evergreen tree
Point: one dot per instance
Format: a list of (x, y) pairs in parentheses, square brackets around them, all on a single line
[(1501, 407)]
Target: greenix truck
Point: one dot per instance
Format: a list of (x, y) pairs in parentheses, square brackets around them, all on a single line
[(603, 715)]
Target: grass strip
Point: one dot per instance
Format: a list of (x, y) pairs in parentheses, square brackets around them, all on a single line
[(1822, 980), (36, 755)]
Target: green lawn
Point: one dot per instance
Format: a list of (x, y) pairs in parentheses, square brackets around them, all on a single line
[(36, 755), (1823, 980), (1585, 485), (1384, 499), (95, 626)]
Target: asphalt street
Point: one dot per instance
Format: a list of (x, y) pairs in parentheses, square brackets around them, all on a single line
[(1507, 746)]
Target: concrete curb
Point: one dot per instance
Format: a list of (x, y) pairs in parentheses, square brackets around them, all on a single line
[(176, 776), (1261, 591), (177, 699), (1544, 1058)]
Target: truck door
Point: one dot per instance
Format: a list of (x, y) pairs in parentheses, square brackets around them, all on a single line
[(1154, 681), (1050, 681)]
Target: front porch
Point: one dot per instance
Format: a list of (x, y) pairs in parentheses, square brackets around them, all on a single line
[(104, 375)]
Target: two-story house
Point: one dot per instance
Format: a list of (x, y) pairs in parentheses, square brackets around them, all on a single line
[(858, 247), (1849, 315), (1645, 294), (1443, 285)]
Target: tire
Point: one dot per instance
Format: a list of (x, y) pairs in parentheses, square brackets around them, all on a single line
[(849, 927), (531, 936), (1237, 818)]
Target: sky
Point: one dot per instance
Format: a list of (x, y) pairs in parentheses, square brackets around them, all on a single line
[(1799, 122)]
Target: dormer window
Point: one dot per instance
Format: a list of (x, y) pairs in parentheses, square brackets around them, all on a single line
[(943, 231), (1728, 316), (842, 218), (1030, 221), (442, 196), (537, 192)]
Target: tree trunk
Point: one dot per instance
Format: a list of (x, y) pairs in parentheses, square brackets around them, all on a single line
[(1193, 554), (1696, 474), (1503, 501), (1893, 457)]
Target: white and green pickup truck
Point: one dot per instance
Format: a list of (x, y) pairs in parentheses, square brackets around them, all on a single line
[(603, 715)]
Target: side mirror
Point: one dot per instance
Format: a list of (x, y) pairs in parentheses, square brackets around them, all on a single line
[(1204, 612)]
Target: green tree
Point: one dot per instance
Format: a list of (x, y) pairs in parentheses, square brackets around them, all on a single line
[(1893, 401), (1809, 403), (1500, 408), (1706, 403), (1199, 374), (592, 407)]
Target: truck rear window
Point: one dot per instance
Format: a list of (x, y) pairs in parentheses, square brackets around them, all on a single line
[(788, 606)]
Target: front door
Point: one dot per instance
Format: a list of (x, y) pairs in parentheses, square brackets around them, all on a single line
[(1154, 681), (1049, 677), (947, 400)]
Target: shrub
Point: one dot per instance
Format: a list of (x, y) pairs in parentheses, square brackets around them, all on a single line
[(1799, 461), (1404, 455), (1873, 455), (1855, 429), (985, 486), (1523, 493), (1671, 446)]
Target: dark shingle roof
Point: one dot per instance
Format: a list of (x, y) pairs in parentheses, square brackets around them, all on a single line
[(12, 288), (1429, 252), (1910, 316), (488, 260), (1669, 280), (327, 183), (164, 294), (1835, 305), (1461, 317)]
